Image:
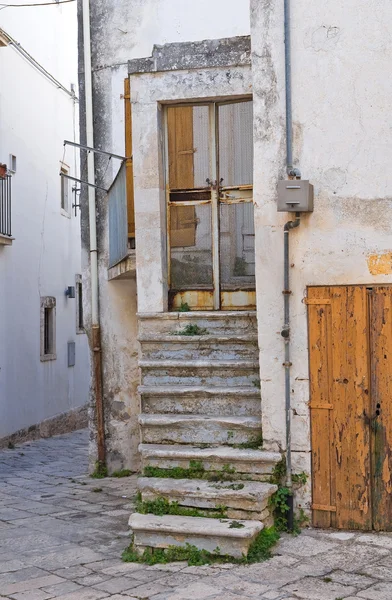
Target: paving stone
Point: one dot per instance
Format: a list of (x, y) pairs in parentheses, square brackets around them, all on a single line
[(86, 594), (311, 588), (376, 539), (92, 579), (21, 575), (123, 569), (122, 597), (303, 546), (357, 580), (346, 558), (11, 565), (32, 595), (116, 585), (148, 589), (379, 591), (73, 572), (62, 588), (239, 586), (77, 536), (146, 576), (30, 584), (178, 579), (379, 571), (273, 576), (195, 591)]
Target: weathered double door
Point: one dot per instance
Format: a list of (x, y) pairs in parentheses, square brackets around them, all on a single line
[(209, 193), (350, 345)]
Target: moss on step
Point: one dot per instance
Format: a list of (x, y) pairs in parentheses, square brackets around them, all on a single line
[(192, 329), (259, 551), (196, 470), (255, 443), (162, 506)]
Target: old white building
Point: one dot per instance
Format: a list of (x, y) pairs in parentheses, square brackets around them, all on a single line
[(44, 365), (250, 309)]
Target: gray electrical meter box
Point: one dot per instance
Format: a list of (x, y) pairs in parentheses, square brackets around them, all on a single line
[(295, 195)]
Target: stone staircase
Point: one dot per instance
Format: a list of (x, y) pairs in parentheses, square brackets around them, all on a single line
[(201, 431)]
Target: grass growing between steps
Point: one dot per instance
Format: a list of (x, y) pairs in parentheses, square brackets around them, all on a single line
[(196, 470), (192, 329), (259, 551), (162, 506)]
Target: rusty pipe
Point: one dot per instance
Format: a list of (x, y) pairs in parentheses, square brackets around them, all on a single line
[(287, 363)]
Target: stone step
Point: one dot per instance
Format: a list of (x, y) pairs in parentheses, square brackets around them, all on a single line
[(201, 400), (198, 429), (258, 464), (235, 373), (151, 531), (194, 347), (222, 322), (242, 499)]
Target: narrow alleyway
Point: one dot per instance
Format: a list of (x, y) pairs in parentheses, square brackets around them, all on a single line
[(62, 534)]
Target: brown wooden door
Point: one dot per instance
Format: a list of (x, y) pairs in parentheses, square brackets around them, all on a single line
[(350, 349), (380, 318)]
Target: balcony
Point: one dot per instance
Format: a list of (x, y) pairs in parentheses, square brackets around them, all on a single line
[(5, 211), (122, 261)]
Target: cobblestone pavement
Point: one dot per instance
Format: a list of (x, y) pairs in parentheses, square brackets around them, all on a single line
[(62, 533)]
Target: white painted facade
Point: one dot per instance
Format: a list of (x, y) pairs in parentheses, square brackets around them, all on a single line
[(341, 107), (121, 31), (342, 124), (44, 258)]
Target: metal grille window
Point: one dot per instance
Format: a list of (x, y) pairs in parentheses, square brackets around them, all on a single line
[(79, 304), (48, 328), (64, 190), (5, 205)]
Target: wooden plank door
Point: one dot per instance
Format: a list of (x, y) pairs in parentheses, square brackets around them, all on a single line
[(340, 403), (380, 318)]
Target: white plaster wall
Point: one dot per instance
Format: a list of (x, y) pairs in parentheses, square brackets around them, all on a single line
[(49, 33), (341, 56), (35, 118), (122, 30), (129, 29), (147, 91)]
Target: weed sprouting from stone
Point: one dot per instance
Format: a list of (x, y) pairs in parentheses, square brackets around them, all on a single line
[(184, 307), (236, 525), (192, 329), (100, 471), (122, 473), (162, 506), (260, 550)]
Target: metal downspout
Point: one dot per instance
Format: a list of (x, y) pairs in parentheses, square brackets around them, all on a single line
[(292, 173), (287, 363), (95, 325)]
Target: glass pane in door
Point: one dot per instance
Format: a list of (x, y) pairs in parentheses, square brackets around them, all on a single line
[(236, 143), (190, 247), (237, 246)]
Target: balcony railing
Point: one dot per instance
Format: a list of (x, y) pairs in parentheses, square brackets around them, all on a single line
[(5, 206), (118, 219)]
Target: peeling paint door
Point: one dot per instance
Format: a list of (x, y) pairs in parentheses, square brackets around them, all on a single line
[(209, 175), (350, 357), (380, 319)]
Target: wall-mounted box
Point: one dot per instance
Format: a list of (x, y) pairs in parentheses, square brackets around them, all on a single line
[(295, 195), (71, 354)]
